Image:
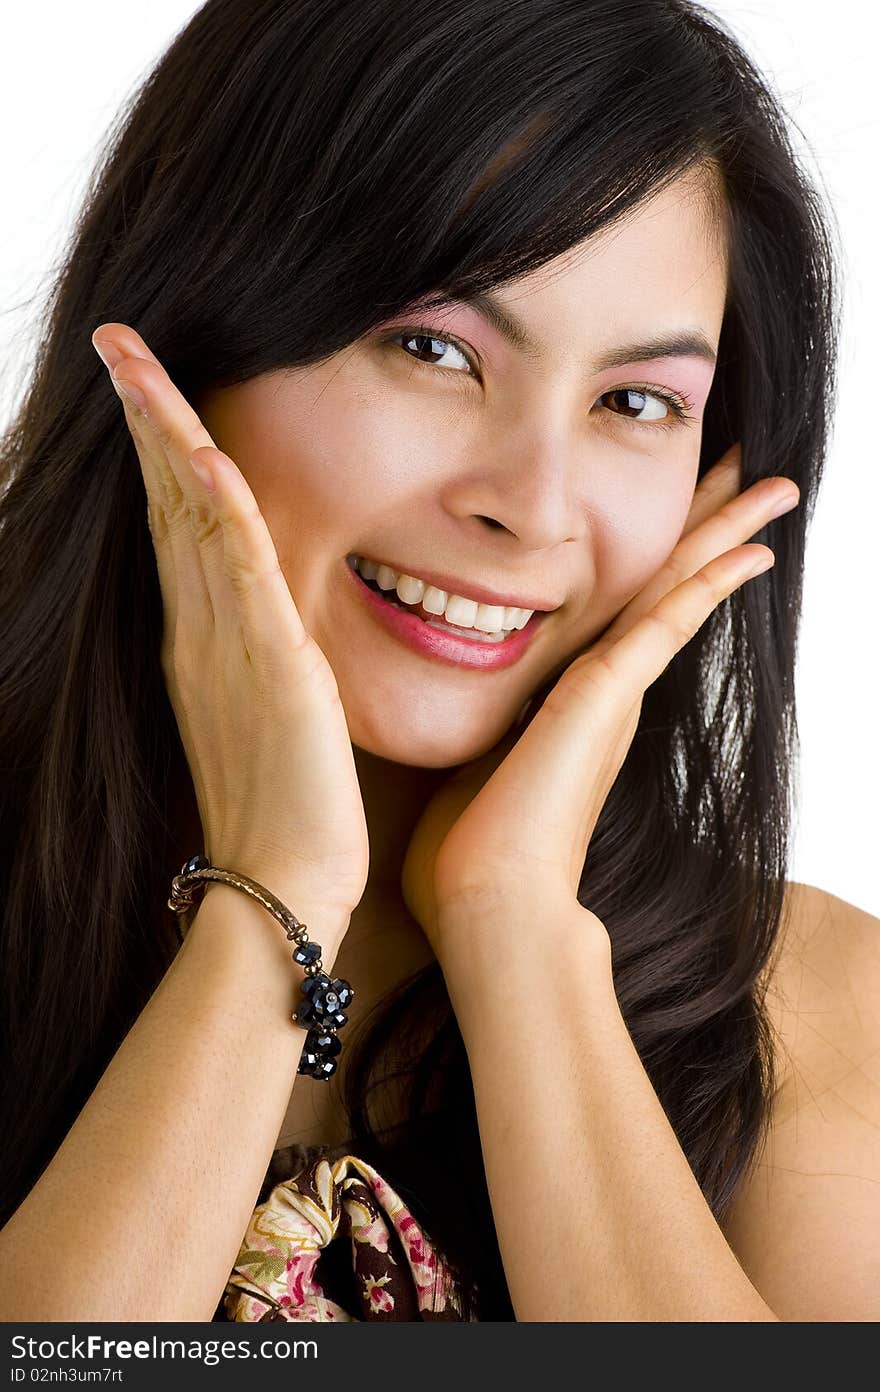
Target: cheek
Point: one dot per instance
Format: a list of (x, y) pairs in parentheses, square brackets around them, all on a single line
[(323, 459), (635, 537)]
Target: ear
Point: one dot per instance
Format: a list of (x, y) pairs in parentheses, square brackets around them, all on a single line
[(718, 485)]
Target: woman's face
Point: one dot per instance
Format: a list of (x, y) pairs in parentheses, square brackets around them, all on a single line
[(530, 472)]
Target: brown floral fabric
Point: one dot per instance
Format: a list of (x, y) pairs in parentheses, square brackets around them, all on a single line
[(335, 1242)]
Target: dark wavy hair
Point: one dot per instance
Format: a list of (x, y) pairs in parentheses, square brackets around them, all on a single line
[(291, 174)]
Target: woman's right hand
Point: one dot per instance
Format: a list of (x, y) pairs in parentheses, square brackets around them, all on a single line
[(256, 701)]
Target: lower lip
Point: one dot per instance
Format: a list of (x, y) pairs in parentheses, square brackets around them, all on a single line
[(445, 647)]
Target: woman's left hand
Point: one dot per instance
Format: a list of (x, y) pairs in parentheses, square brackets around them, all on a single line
[(509, 831)]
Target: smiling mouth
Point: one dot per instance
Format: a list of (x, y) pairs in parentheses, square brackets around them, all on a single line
[(433, 620), (474, 635), (449, 644)]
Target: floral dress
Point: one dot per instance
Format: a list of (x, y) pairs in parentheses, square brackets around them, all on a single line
[(335, 1242)]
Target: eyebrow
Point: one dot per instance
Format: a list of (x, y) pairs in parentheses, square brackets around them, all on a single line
[(681, 343)]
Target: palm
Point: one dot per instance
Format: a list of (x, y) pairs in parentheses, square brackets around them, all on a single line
[(514, 826), (453, 815)]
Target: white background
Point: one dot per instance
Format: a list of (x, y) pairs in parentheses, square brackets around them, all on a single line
[(64, 70)]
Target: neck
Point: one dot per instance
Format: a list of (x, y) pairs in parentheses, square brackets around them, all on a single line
[(394, 797)]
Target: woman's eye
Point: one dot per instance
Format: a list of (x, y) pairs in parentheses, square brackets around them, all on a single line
[(635, 404), (630, 403), (431, 349)]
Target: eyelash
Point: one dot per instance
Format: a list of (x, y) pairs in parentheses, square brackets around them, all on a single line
[(680, 406)]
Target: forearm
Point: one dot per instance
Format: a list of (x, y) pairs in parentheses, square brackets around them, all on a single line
[(598, 1215), (140, 1214)]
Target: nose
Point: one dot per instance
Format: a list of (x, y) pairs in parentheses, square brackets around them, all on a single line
[(532, 488)]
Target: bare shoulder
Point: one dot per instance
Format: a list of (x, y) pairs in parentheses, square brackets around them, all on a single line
[(806, 1225), (823, 995)]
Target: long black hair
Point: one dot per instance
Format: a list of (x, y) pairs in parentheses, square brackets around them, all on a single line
[(291, 174)]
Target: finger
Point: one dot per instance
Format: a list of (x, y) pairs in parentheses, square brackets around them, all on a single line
[(168, 425), (737, 519), (180, 565), (223, 529), (622, 673), (115, 341), (577, 741), (718, 485)]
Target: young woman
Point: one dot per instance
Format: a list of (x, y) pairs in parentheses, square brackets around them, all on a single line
[(475, 360)]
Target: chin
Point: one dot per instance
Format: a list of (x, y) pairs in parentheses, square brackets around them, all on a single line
[(425, 743)]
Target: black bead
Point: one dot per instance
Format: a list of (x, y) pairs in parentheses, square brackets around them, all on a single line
[(323, 1042), (316, 1065), (344, 992), (307, 953), (324, 1069), (308, 1013), (197, 862), (335, 1020), (312, 983), (305, 1015), (325, 998)]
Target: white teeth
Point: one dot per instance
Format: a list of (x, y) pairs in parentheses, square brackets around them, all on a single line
[(490, 617), (465, 613), (462, 612), (434, 600), (410, 589)]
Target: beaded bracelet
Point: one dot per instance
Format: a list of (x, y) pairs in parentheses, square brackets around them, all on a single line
[(322, 1012)]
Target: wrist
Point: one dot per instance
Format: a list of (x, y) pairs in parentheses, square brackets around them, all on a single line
[(234, 918), (504, 956), (256, 941), (498, 920)]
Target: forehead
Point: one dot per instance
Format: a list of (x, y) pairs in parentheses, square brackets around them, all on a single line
[(663, 265)]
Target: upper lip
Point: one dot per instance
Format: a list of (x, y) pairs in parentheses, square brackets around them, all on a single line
[(467, 588)]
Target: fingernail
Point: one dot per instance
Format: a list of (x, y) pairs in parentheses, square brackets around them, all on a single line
[(785, 504), (203, 473), (108, 353), (133, 393), (760, 566)]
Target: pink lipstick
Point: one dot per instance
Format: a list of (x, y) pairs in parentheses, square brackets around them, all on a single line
[(441, 643)]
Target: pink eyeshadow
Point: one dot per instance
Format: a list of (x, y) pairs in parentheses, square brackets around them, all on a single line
[(691, 377)]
